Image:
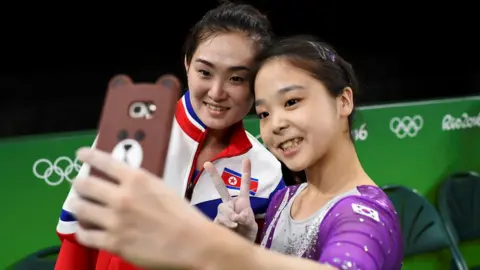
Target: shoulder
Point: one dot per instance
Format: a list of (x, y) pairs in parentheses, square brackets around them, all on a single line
[(371, 202), (362, 223)]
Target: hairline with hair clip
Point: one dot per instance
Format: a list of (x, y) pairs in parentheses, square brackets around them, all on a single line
[(324, 53), (330, 55)]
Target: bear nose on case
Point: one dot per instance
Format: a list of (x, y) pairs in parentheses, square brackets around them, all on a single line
[(127, 147)]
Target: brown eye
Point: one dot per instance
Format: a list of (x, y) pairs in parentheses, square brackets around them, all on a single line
[(262, 115), (291, 102), (204, 73), (237, 79)]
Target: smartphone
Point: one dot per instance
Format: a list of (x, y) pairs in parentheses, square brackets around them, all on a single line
[(136, 122)]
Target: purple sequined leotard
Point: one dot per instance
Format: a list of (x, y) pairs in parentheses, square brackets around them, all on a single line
[(356, 230)]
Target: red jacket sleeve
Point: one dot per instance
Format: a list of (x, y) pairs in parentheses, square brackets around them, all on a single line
[(74, 256)]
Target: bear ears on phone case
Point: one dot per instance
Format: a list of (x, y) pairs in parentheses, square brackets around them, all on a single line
[(167, 80)]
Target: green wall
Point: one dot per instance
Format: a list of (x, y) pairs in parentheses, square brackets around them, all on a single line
[(414, 144)]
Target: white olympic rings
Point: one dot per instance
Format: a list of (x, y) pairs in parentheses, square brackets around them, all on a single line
[(64, 172), (406, 126)]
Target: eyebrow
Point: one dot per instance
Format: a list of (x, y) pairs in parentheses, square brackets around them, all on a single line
[(233, 68), (281, 91)]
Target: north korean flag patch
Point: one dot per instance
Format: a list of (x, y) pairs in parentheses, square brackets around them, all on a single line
[(365, 211), (233, 180)]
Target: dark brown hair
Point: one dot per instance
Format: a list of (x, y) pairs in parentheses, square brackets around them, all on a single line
[(229, 17)]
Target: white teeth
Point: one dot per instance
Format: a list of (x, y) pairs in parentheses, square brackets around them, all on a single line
[(290, 144), (215, 108)]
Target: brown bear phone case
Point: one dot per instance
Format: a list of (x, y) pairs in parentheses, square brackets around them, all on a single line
[(136, 122)]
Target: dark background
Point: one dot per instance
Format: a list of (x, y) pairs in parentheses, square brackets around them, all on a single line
[(56, 60)]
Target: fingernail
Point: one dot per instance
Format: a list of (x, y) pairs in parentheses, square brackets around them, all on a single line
[(208, 167), (83, 152)]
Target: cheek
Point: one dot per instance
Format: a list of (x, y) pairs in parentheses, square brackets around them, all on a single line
[(266, 135), (197, 86), (241, 95), (322, 130)]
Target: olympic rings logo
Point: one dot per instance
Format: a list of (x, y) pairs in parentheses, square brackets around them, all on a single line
[(63, 168), (406, 126)]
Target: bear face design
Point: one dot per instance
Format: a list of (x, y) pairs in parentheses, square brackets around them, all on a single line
[(129, 149), (137, 119)]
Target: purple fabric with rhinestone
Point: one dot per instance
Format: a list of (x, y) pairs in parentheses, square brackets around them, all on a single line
[(358, 232)]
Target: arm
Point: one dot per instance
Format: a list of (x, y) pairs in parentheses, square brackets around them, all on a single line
[(73, 256), (230, 251), (348, 230)]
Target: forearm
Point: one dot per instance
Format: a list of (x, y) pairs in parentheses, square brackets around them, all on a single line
[(229, 251), (269, 260)]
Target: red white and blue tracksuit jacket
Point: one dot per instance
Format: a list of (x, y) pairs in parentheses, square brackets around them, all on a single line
[(188, 133)]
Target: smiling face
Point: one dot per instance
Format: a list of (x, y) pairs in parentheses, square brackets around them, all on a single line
[(218, 79), (299, 119)]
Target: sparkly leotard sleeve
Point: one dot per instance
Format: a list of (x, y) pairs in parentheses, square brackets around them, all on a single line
[(357, 231), (361, 234)]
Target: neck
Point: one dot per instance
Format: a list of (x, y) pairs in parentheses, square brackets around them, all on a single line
[(338, 171), (217, 137)]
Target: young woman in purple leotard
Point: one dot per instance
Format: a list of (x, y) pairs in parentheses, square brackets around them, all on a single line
[(304, 97)]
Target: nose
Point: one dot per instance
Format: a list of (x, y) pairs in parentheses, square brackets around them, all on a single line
[(127, 147), (217, 93), (279, 123)]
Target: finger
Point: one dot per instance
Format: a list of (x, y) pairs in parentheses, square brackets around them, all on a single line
[(225, 215), (96, 189), (217, 182), (96, 239), (88, 212), (244, 218), (105, 163), (246, 174), (226, 222)]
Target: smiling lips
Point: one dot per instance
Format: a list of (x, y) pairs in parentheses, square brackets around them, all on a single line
[(290, 144), (216, 107)]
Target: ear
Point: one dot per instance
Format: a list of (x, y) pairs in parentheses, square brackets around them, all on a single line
[(169, 81), (345, 102), (119, 80), (187, 66)]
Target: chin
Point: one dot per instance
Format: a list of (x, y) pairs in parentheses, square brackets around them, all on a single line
[(295, 167), (295, 164), (215, 123)]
